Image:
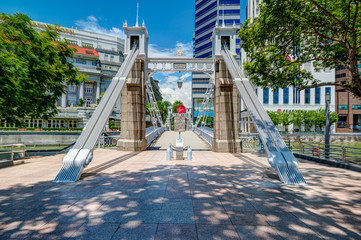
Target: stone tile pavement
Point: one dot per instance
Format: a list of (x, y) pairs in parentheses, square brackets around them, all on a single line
[(189, 139), (128, 195)]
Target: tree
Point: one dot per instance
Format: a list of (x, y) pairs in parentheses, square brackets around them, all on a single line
[(163, 108), (286, 118), (34, 69), (320, 118), (275, 117), (327, 33), (175, 105), (297, 118)]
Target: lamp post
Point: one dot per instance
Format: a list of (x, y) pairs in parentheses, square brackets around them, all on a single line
[(327, 130), (180, 82)]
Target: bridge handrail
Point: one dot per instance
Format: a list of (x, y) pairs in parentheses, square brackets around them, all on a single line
[(205, 133), (12, 150), (153, 134)]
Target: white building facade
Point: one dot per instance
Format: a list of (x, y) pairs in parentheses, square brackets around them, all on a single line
[(98, 56)]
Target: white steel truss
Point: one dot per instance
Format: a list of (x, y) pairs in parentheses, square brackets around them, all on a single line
[(204, 111), (153, 106)]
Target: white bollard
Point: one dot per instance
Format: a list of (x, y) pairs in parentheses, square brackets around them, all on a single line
[(169, 154), (189, 154)]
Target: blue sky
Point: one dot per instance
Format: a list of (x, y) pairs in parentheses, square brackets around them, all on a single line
[(169, 23)]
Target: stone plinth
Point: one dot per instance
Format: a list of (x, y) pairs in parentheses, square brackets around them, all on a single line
[(132, 136), (179, 123), (225, 112)]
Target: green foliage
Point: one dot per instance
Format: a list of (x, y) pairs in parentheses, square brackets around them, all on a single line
[(299, 117), (327, 33), (175, 105), (147, 112), (81, 102), (163, 108), (33, 69), (275, 117), (112, 124), (285, 118), (44, 129), (62, 129), (8, 128)]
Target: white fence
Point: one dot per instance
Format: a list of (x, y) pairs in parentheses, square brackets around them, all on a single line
[(205, 133)]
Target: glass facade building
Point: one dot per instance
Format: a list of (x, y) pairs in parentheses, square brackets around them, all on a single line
[(207, 13)]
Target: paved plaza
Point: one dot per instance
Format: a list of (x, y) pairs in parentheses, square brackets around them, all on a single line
[(189, 139), (140, 195)]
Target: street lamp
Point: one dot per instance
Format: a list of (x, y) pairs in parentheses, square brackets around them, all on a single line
[(180, 82), (327, 130)]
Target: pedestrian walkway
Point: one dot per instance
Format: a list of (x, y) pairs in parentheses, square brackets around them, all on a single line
[(140, 195), (169, 138)]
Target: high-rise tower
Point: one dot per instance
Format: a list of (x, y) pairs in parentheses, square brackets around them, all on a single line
[(208, 13)]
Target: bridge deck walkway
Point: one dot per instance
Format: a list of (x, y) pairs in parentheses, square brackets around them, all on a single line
[(189, 138), (140, 195)]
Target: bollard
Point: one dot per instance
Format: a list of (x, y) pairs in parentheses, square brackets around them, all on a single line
[(169, 154), (189, 154)]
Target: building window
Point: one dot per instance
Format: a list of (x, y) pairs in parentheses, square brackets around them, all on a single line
[(111, 58), (342, 121), (72, 42), (106, 56), (296, 96), (72, 88), (88, 88), (317, 95), (275, 96), (286, 95), (88, 100), (266, 96), (342, 75), (307, 96), (80, 61), (72, 124), (89, 45), (356, 107), (342, 107)]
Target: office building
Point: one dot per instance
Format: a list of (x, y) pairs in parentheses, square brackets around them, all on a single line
[(207, 14), (348, 106)]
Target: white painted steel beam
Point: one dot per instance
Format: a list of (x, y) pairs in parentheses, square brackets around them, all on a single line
[(81, 153)]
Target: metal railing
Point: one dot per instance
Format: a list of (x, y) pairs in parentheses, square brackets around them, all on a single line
[(317, 149), (12, 151), (152, 133), (107, 141), (251, 141), (205, 133)]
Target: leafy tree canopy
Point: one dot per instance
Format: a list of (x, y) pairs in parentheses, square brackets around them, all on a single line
[(175, 105), (34, 69), (325, 32)]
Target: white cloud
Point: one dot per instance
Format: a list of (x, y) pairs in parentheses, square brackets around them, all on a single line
[(168, 80), (92, 18), (156, 52), (171, 92), (92, 25)]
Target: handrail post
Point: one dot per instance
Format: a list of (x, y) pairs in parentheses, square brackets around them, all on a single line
[(343, 155), (12, 152)]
